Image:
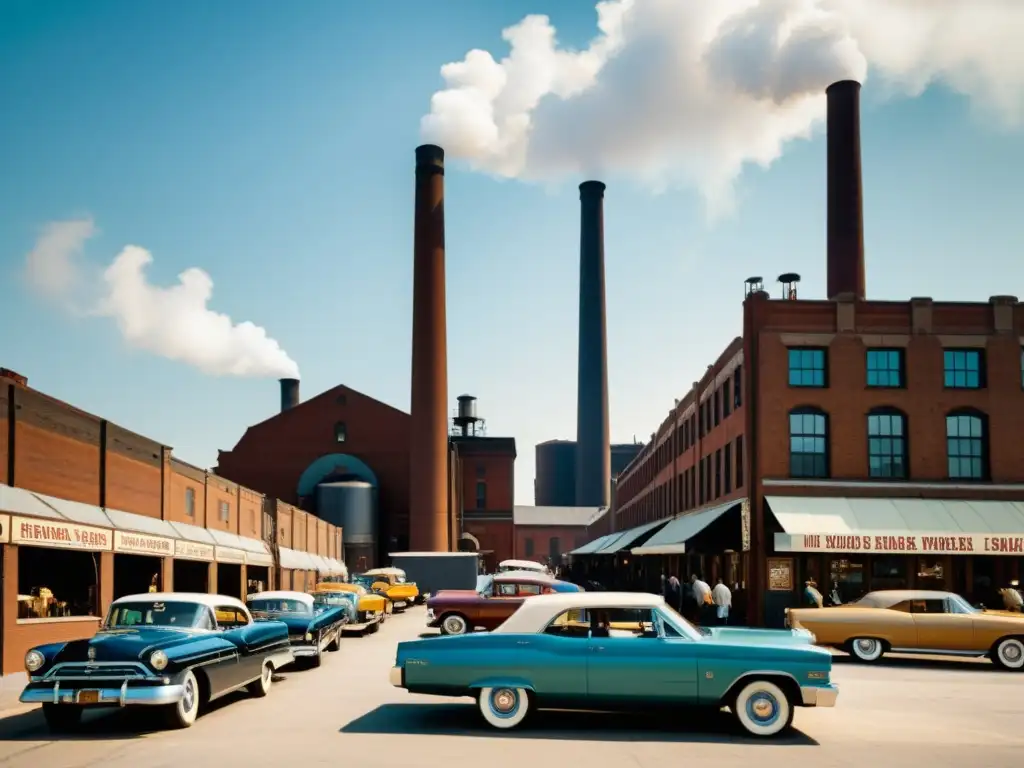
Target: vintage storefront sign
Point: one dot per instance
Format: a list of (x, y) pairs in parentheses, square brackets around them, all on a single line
[(891, 544), (57, 533), (230, 555), (780, 574), (143, 544), (193, 550)]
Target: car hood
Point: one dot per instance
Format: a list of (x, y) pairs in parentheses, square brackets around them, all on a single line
[(123, 644), (748, 636), (988, 614), (296, 622), (454, 595)]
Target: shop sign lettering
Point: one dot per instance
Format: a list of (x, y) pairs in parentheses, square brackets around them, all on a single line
[(193, 550), (54, 533), (143, 544), (229, 555), (888, 544)]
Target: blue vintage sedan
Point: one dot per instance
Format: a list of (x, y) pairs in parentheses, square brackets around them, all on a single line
[(173, 650), (608, 650), (312, 629)]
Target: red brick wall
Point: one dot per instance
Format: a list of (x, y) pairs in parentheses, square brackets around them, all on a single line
[(569, 538), (133, 472), (182, 477), (5, 400), (250, 513), (56, 448), (285, 513), (496, 535), (498, 475)]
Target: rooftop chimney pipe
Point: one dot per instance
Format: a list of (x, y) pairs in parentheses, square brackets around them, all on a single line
[(593, 458), (845, 193), (428, 486), (289, 394)]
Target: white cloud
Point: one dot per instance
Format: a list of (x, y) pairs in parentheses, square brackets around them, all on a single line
[(688, 91), (173, 322)]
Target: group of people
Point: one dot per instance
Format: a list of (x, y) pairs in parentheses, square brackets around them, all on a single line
[(697, 600)]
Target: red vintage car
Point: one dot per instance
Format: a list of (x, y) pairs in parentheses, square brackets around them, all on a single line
[(456, 612)]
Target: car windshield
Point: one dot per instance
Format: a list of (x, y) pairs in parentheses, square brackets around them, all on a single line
[(484, 585), (278, 605), (155, 614), (672, 618), (959, 605), (363, 581), (331, 600)]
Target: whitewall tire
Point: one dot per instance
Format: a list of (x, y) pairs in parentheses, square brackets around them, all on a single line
[(260, 688), (184, 713), (763, 709), (504, 707), (866, 649), (454, 624), (1009, 654)]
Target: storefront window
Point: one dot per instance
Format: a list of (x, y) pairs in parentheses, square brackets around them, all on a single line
[(931, 573), (55, 583), (846, 580), (888, 572)]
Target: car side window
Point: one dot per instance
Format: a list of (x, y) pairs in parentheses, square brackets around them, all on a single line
[(903, 607), (229, 617), (529, 589), (572, 623), (504, 590), (205, 620), (928, 606)]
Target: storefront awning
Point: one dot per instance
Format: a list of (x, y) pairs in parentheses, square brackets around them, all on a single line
[(256, 552), (626, 539), (295, 560), (77, 512), (671, 540), (18, 501), (592, 547), (340, 569), (195, 543), (898, 526), (321, 565), (142, 535), (229, 547)]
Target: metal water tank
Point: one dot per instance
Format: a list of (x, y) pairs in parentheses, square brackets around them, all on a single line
[(352, 505), (555, 484)]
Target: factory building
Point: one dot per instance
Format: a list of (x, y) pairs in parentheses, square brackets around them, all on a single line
[(863, 444), (555, 482)]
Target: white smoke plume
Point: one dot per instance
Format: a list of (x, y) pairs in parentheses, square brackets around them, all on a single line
[(174, 322), (685, 92)]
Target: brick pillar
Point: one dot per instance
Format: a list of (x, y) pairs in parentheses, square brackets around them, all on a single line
[(106, 572), (10, 608), (211, 579), (167, 574), (245, 581)]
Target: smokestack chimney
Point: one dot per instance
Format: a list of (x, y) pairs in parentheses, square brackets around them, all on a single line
[(845, 193), (289, 394), (593, 458), (428, 486)]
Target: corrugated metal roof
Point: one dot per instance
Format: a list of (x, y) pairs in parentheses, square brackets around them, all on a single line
[(560, 516)]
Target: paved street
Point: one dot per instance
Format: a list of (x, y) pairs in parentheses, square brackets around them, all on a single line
[(939, 713)]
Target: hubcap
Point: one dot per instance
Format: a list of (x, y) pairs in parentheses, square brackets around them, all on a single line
[(454, 625), (504, 700), (762, 708), (1011, 652), (189, 697), (866, 647)]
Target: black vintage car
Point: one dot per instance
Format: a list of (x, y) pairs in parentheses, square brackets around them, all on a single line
[(312, 628), (171, 650)]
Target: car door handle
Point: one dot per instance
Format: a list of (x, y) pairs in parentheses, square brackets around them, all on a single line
[(522, 642), (597, 647)]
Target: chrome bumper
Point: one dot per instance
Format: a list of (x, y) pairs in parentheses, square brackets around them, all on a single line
[(819, 695), (396, 677), (305, 651), (282, 658), (125, 696)]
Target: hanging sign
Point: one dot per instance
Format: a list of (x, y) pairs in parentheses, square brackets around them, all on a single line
[(57, 533), (193, 550), (143, 544)]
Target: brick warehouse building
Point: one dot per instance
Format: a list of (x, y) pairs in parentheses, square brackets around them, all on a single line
[(864, 444), (90, 511)]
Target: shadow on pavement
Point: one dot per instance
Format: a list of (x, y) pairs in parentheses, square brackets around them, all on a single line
[(107, 722), (702, 726), (974, 666)]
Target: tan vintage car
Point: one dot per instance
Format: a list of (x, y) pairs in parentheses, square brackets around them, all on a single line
[(916, 621)]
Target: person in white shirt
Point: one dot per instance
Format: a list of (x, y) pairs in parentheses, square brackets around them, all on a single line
[(722, 598), (702, 594)]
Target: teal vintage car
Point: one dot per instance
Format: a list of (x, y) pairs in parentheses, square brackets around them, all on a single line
[(609, 650)]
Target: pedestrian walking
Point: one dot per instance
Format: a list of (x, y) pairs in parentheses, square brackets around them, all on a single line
[(702, 595), (722, 598)]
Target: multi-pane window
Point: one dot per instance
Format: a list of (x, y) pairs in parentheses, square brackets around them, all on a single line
[(808, 443), (225, 511), (726, 399), (963, 369), (340, 432), (529, 547), (966, 449), (885, 367), (481, 495), (887, 444), (807, 368), (739, 461), (727, 466), (190, 502)]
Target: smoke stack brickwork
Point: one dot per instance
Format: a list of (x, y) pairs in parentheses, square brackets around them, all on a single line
[(289, 394), (593, 460), (428, 487), (845, 193)]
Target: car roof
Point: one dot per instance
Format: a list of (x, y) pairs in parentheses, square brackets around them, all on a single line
[(534, 576), (388, 571), (537, 612), (201, 598), (301, 597), (525, 565), (888, 597)]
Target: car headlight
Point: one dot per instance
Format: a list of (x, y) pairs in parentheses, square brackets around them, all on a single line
[(309, 637), (34, 661), (158, 660)]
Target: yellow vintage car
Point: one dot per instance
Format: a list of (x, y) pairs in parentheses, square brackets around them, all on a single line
[(393, 583), (373, 609), (915, 621)]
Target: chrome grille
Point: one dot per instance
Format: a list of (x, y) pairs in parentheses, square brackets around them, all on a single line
[(104, 670)]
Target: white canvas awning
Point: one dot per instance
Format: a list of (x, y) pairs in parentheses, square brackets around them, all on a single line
[(295, 560), (898, 526)]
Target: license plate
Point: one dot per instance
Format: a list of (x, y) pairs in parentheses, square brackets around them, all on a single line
[(400, 604), (88, 697)]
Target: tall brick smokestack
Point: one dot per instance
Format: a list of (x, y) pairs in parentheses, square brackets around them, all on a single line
[(428, 486), (593, 457), (289, 394), (845, 193)]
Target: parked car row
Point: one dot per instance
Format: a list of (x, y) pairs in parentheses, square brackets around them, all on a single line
[(177, 651)]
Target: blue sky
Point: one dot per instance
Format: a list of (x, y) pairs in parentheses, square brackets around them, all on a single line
[(272, 146)]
